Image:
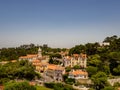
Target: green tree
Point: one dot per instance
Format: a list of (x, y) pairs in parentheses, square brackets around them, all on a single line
[(114, 59), (91, 48), (67, 69), (17, 70), (65, 77), (76, 67), (92, 70), (114, 43), (77, 49), (94, 60), (70, 81), (109, 88), (100, 80), (59, 86), (117, 84), (110, 39), (19, 86), (55, 56), (117, 70), (106, 69)]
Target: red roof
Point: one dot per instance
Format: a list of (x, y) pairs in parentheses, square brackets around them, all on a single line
[(79, 72), (29, 56)]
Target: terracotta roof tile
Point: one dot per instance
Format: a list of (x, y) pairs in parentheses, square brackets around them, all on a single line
[(79, 72), (36, 61), (55, 67), (75, 55), (29, 56), (52, 66)]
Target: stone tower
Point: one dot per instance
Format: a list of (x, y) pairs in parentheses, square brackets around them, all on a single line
[(39, 53)]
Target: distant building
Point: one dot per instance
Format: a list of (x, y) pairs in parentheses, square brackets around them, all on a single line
[(37, 64), (5, 62), (78, 74), (104, 44), (55, 72), (67, 61), (32, 83), (75, 59), (64, 53), (31, 57), (43, 67), (113, 81), (39, 53), (40, 66)]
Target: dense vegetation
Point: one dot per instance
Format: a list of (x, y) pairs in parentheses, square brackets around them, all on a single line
[(19, 86), (42, 88), (17, 70), (54, 59), (59, 86), (7, 54), (103, 61), (106, 56)]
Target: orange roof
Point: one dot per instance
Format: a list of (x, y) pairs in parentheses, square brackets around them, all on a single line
[(81, 55), (60, 68), (29, 56), (32, 83), (52, 66), (75, 55), (79, 72), (37, 64), (55, 67), (36, 61)]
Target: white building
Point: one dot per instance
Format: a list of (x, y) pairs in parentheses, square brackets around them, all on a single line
[(31, 57), (55, 72), (78, 74), (104, 44), (75, 59)]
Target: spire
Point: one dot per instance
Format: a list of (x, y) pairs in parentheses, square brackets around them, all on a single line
[(39, 53), (39, 50)]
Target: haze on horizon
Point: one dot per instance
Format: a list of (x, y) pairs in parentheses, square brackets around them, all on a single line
[(58, 23)]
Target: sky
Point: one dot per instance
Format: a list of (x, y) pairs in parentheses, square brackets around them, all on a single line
[(58, 23)]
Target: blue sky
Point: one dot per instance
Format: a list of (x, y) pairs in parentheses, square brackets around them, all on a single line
[(58, 23)]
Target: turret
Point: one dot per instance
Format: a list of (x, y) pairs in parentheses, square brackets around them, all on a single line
[(39, 53)]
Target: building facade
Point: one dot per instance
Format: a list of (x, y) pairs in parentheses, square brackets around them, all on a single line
[(31, 57), (75, 59), (55, 72), (78, 74)]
